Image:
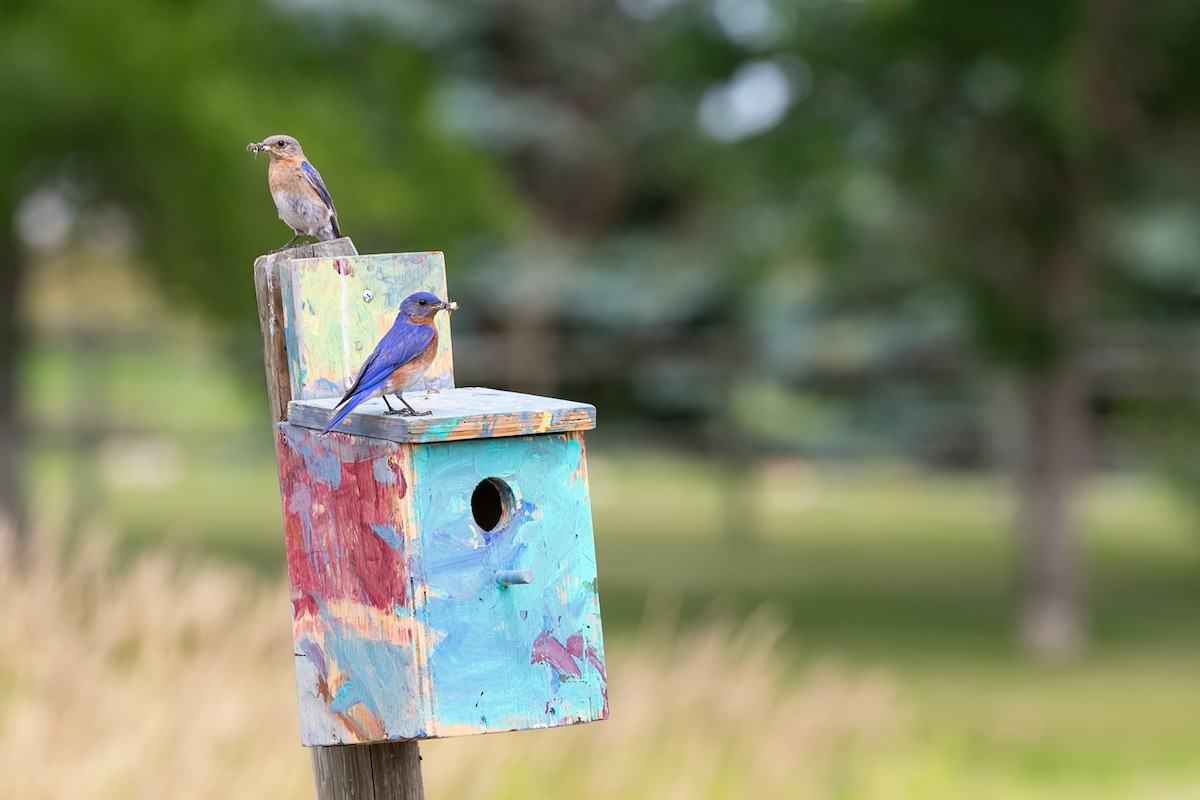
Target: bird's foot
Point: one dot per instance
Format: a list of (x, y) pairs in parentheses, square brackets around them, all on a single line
[(408, 412)]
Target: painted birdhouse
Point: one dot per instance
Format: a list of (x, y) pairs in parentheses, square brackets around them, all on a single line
[(442, 567)]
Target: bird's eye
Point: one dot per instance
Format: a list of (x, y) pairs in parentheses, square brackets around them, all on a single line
[(281, 143), (423, 302)]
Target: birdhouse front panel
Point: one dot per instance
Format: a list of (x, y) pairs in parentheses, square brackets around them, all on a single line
[(508, 593)]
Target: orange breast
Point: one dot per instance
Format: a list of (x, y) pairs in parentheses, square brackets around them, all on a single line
[(407, 374)]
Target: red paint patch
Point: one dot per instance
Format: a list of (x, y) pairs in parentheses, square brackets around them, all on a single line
[(333, 552), (342, 267)]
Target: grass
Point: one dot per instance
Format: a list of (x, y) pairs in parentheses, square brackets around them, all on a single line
[(882, 582), (165, 678)]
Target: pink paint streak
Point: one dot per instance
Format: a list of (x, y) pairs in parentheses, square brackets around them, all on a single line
[(554, 654), (342, 267)]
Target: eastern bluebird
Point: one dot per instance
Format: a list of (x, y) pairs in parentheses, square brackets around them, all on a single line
[(402, 356), (300, 194)]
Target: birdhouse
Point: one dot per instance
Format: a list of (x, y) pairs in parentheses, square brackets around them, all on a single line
[(442, 567)]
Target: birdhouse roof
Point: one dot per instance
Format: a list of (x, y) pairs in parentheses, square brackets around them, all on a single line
[(468, 413)]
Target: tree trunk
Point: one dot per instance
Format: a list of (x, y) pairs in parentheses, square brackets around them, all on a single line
[(1051, 606), (12, 504), (1053, 403), (529, 338)]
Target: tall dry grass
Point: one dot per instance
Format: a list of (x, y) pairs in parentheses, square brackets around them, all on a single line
[(720, 711), (167, 678)]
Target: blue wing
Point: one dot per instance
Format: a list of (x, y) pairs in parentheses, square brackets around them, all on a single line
[(404, 342), (314, 178)]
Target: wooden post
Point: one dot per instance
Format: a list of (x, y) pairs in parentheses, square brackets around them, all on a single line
[(387, 771), (270, 315)]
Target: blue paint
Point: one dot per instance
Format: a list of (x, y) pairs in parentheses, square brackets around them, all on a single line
[(389, 535), (381, 468), (322, 463), (378, 673), (488, 631), (323, 387)]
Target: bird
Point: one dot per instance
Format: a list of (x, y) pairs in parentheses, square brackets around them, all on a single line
[(400, 358), (299, 192)]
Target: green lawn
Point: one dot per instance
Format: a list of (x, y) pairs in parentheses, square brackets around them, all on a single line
[(885, 567)]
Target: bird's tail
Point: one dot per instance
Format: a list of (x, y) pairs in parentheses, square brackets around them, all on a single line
[(347, 405)]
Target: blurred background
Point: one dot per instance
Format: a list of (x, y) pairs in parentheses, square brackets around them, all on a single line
[(888, 308)]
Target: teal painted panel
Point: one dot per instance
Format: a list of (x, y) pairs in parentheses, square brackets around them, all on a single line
[(506, 656), (336, 309), (468, 413)]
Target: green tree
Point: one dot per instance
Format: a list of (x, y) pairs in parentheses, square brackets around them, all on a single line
[(989, 149), (984, 153)]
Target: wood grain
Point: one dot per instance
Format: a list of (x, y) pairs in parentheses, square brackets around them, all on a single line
[(389, 771)]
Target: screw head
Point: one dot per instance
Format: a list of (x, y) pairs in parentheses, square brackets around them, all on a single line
[(367, 295)]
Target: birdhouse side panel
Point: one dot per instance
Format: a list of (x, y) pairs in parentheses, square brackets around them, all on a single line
[(337, 308), (512, 611), (348, 532)]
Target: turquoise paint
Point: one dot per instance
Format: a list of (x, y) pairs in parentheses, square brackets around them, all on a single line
[(488, 632)]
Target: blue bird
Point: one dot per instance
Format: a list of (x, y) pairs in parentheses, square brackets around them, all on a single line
[(400, 358)]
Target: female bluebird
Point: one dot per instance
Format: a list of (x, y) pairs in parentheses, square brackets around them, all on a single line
[(300, 194), (402, 356)]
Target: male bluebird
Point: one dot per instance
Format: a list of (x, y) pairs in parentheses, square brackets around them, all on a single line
[(300, 194), (400, 358)]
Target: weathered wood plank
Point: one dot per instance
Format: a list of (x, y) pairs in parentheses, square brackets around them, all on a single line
[(271, 318), (388, 771), (455, 414)]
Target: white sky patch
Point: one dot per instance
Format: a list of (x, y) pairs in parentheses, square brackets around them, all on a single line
[(754, 100), (752, 23)]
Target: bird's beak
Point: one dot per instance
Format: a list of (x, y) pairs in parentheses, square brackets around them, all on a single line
[(258, 147), (449, 305)]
